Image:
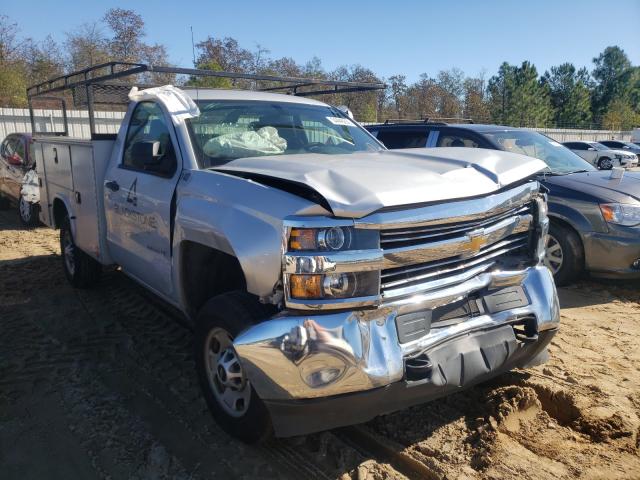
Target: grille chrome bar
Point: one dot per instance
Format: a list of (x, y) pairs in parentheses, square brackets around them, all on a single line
[(466, 246), (434, 284), (451, 266), (443, 263), (423, 233)]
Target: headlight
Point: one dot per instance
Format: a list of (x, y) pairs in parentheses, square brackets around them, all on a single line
[(331, 239), (331, 263), (621, 213), (334, 285)]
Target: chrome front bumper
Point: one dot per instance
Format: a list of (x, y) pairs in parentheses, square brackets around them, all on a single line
[(312, 355)]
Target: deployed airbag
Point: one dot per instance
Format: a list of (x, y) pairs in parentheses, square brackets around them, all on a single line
[(264, 141)]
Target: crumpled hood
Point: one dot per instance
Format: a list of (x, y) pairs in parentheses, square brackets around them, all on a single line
[(599, 184), (358, 184)]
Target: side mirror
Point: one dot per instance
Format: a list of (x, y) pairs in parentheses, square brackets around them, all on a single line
[(591, 149), (147, 154)]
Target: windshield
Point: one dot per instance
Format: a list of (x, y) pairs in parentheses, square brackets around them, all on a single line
[(558, 158), (230, 129), (598, 146)]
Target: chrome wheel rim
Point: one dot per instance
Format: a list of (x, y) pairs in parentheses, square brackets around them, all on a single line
[(25, 210), (68, 250), (224, 372), (553, 257)]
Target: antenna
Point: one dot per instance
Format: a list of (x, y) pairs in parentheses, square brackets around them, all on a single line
[(193, 48)]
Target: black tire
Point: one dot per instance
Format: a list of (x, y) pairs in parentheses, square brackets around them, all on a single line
[(572, 265), (231, 312), (81, 270), (5, 204), (603, 165), (28, 213)]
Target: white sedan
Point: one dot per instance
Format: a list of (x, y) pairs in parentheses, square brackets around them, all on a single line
[(601, 156)]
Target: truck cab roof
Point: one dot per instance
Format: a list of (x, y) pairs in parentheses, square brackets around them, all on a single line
[(225, 94)]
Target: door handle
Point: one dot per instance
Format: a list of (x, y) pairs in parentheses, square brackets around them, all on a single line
[(112, 185)]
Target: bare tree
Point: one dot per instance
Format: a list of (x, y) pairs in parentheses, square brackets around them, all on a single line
[(398, 91), (476, 105), (13, 82), (10, 45), (128, 31), (43, 60), (225, 52), (421, 98), (260, 58), (451, 91), (85, 46)]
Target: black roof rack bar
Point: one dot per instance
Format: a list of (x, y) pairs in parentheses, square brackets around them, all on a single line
[(285, 87), (100, 75), (406, 120), (52, 85), (294, 81), (451, 119), (434, 120), (71, 80)]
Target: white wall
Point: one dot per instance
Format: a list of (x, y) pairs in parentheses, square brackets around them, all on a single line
[(17, 120), (568, 135)]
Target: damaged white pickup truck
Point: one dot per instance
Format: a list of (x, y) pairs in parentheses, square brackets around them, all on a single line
[(328, 280)]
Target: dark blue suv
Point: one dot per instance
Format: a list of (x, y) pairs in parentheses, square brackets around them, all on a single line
[(595, 219)]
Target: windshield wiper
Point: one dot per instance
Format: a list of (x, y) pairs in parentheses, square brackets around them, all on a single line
[(549, 173)]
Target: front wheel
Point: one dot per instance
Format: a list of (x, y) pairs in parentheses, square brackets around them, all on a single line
[(81, 270), (4, 202), (28, 212), (605, 163), (231, 398), (564, 254)]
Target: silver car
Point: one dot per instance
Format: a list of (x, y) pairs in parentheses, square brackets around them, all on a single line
[(18, 179), (620, 145), (601, 156)]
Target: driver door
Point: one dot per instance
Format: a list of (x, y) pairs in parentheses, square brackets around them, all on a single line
[(590, 154), (139, 191)]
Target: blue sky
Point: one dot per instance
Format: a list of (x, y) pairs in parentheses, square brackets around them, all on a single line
[(390, 37)]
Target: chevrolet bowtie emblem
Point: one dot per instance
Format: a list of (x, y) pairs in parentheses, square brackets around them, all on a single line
[(477, 240)]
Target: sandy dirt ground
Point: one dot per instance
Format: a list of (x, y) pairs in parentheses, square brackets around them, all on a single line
[(100, 384)]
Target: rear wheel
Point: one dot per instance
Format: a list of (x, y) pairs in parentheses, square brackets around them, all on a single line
[(81, 270), (28, 212), (231, 398), (564, 254), (605, 163)]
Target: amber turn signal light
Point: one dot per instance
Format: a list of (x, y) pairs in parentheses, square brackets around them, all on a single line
[(302, 239), (306, 286)]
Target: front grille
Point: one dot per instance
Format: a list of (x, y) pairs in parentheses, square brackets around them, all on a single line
[(441, 258), (405, 237)]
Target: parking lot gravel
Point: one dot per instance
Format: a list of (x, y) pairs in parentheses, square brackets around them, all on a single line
[(100, 384)]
